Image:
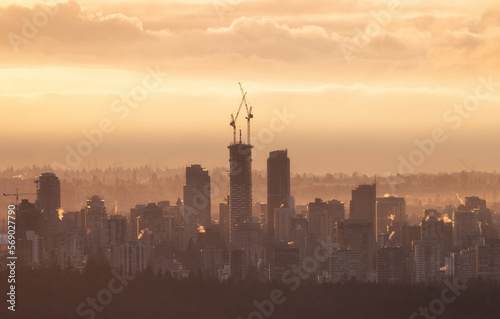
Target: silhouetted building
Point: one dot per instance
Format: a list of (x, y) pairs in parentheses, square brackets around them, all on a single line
[(48, 193), (427, 262), (240, 186), (410, 234), (392, 265), (224, 220), (30, 249), (133, 223), (433, 233), (114, 231), (28, 218), (363, 207), (474, 202), (282, 223), (355, 235), (465, 265), (131, 258), (72, 251), (348, 265), (391, 214), (48, 200), (322, 219), (249, 237), (465, 228), (488, 262), (284, 259), (197, 202), (239, 264), (278, 186), (95, 215)]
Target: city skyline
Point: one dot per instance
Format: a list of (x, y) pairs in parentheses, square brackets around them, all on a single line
[(370, 107), (250, 158)]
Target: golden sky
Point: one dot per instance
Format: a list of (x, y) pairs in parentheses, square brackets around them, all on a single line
[(363, 80)]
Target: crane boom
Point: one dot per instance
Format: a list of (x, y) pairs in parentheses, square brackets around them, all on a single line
[(234, 118), (16, 194), (249, 112)]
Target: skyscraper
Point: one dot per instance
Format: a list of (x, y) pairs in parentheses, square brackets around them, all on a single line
[(322, 219), (197, 196), (278, 186), (363, 203), (48, 200), (240, 186), (29, 218), (363, 208), (95, 215), (391, 214)]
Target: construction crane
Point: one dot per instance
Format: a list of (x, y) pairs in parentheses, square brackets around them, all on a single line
[(249, 113), (234, 118), (17, 195)]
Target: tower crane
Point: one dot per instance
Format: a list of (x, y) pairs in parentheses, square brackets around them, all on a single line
[(235, 117), (16, 194), (249, 113)]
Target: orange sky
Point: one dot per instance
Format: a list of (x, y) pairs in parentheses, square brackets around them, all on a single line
[(64, 67)]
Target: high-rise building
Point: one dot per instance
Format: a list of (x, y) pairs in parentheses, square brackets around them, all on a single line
[(363, 207), (465, 228), (249, 237), (240, 186), (346, 265), (29, 218), (48, 193), (239, 264), (132, 258), (30, 249), (114, 231), (323, 217), (133, 222), (284, 258), (465, 265), (197, 203), (392, 265), (224, 220), (391, 214), (488, 262), (151, 218), (356, 235), (72, 253), (95, 215), (363, 204), (282, 223), (434, 234), (474, 202), (278, 186), (426, 262), (48, 200)]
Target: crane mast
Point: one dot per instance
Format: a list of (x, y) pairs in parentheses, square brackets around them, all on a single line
[(249, 116), (16, 194)]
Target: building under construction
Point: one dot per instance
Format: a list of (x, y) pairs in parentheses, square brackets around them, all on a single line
[(240, 175)]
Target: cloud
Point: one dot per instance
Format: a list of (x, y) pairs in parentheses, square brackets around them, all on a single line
[(294, 36)]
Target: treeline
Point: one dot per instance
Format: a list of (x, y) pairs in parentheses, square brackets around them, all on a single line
[(54, 293), (123, 188)]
